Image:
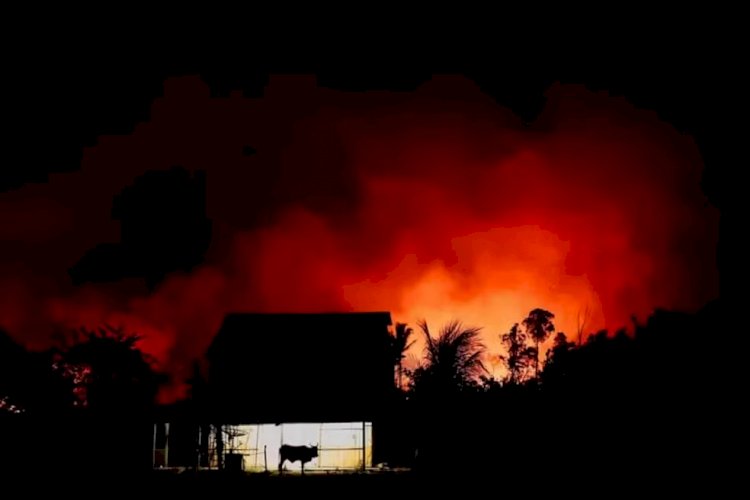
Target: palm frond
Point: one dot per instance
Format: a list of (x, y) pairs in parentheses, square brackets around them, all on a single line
[(455, 354)]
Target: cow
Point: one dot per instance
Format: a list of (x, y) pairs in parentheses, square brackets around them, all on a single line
[(294, 453)]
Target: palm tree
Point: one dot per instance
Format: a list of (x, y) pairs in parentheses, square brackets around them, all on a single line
[(539, 326), (401, 343), (453, 359)]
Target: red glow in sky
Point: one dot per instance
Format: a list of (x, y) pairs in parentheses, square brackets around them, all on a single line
[(436, 204)]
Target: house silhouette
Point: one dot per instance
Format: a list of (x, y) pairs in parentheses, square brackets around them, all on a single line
[(299, 372)]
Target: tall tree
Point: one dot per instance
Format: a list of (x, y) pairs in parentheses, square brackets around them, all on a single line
[(401, 343), (453, 359), (539, 326), (520, 356)]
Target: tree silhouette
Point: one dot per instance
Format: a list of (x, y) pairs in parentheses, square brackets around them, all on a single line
[(520, 355), (539, 326), (582, 319), (557, 364), (13, 360), (559, 348), (401, 343), (30, 382), (110, 373), (452, 360)]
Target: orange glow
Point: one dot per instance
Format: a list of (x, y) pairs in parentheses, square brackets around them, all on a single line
[(494, 291), (436, 204)]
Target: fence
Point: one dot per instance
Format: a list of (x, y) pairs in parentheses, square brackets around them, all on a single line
[(341, 446)]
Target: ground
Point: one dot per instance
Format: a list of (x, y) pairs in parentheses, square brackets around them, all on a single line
[(385, 485)]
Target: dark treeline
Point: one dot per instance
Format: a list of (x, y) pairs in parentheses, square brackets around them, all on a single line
[(617, 408), (85, 405), (614, 407)]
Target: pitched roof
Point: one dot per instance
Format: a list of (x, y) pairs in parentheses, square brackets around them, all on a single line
[(301, 367), (254, 330)]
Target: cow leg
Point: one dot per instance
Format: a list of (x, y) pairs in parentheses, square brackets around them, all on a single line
[(281, 464), (303, 467)]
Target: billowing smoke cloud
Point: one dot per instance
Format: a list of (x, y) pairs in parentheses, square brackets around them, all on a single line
[(438, 204)]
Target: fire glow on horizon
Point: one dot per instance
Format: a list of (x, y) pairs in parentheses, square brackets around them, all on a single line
[(436, 204)]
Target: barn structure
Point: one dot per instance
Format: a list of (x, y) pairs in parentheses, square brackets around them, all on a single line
[(324, 380)]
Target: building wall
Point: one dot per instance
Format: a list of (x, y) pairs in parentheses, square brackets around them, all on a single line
[(339, 445)]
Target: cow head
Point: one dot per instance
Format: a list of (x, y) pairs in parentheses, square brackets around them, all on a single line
[(314, 450)]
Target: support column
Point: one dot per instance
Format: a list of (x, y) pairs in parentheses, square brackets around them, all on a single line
[(166, 445), (364, 445)]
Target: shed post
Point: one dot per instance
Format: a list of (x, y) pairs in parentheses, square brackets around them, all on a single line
[(166, 445), (364, 445)]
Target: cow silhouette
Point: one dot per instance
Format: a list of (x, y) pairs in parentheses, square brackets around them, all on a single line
[(302, 454)]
